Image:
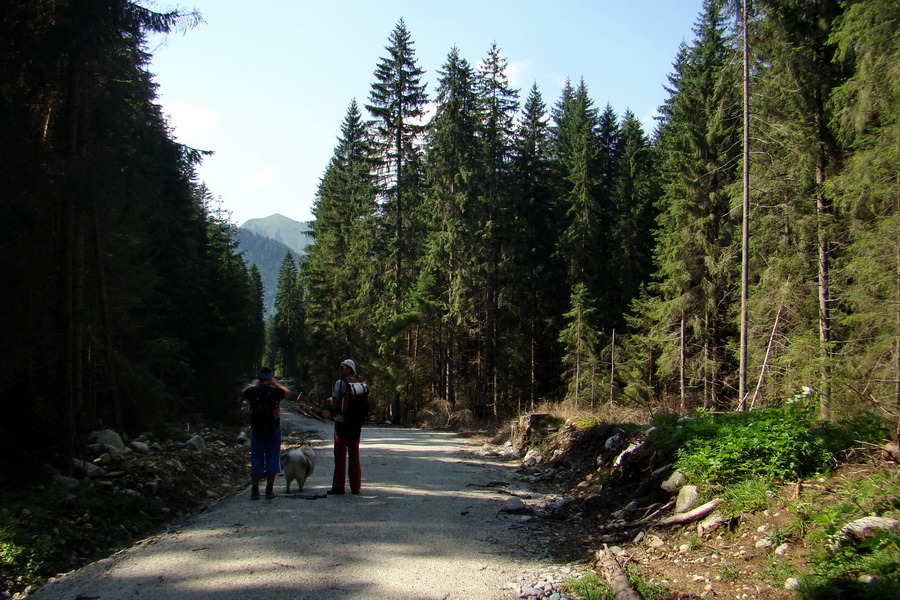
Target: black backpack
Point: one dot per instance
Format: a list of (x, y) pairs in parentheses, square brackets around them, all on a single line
[(265, 401), (358, 408)]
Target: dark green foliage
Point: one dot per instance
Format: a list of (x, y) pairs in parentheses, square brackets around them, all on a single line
[(775, 443), (862, 429), (476, 245), (124, 302), (837, 563), (784, 443)]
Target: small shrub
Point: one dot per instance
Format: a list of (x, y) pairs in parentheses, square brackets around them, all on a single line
[(589, 587), (778, 443), (648, 590), (749, 495), (776, 573), (729, 572)]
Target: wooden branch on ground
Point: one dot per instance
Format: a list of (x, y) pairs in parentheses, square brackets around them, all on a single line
[(308, 410), (647, 519), (642, 521), (616, 575), (676, 519), (691, 515)]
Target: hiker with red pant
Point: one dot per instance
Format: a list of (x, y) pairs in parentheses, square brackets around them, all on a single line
[(349, 403)]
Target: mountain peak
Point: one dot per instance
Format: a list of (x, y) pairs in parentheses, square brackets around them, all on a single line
[(278, 227)]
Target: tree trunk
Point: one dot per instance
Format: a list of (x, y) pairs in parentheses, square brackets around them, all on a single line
[(765, 366), (683, 391), (612, 370), (745, 216), (822, 213)]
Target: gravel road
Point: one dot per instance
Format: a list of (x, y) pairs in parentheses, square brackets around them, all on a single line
[(426, 526)]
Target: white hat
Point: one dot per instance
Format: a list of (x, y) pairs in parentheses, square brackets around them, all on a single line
[(350, 364)]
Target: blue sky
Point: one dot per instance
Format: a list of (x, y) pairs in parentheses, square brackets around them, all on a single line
[(266, 85)]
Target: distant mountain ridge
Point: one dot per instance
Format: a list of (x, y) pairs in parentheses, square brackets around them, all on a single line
[(294, 234), (264, 242)]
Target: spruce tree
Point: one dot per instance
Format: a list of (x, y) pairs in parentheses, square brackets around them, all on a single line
[(288, 321), (690, 303), (397, 104), (580, 347), (102, 226), (865, 109), (534, 272), (797, 229), (632, 219), (454, 177), (500, 104)]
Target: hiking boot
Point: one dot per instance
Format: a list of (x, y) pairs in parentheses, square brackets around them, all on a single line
[(270, 493), (335, 492), (254, 494)]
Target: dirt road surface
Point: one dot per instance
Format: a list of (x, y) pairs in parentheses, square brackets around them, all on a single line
[(426, 526)]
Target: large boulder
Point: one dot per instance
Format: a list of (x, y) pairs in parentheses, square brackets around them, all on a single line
[(197, 443), (108, 437)]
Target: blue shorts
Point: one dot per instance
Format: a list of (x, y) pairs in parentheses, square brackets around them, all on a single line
[(265, 452)]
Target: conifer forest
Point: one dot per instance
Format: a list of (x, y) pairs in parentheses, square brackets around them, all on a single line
[(474, 244)]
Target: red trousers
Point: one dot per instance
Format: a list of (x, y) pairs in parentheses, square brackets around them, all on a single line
[(342, 449)]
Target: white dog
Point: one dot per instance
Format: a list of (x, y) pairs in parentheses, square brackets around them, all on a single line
[(297, 465)]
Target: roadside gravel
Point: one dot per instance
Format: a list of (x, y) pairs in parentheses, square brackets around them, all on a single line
[(426, 526)]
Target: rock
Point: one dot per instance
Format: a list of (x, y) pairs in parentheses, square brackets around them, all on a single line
[(660, 472), (141, 447), (654, 541), (613, 442), (108, 437), (674, 483), (710, 523), (69, 483), (620, 459), (687, 497), (532, 457), (891, 451), (764, 543), (513, 505), (197, 443), (243, 437), (782, 549), (861, 529), (791, 583), (87, 469)]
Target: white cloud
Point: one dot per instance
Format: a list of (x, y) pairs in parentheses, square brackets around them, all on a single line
[(191, 122), (649, 121), (258, 180), (517, 71)]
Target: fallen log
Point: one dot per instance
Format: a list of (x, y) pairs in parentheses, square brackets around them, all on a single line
[(616, 576), (314, 412), (691, 515)]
